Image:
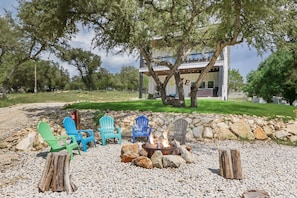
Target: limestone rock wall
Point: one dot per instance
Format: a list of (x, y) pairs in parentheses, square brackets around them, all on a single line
[(201, 127)]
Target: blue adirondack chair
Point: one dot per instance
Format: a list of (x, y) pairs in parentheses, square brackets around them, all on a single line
[(70, 127), (142, 128), (108, 130), (57, 143)]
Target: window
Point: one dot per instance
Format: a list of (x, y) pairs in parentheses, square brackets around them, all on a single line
[(202, 85), (210, 84)]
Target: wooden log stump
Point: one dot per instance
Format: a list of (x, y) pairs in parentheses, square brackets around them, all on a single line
[(55, 175), (230, 164)]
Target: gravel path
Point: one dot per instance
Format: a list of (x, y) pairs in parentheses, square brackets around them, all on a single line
[(99, 173)]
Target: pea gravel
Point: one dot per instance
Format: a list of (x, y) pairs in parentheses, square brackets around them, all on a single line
[(99, 173)]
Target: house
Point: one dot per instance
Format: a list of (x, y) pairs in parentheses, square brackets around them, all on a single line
[(215, 84)]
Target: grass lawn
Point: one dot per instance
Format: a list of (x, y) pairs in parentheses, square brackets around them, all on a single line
[(118, 100), (204, 106)]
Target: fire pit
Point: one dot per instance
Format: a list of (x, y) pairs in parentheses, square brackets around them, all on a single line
[(151, 148)]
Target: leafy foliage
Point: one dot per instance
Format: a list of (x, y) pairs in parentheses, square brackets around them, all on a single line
[(274, 77), (235, 80), (85, 62)]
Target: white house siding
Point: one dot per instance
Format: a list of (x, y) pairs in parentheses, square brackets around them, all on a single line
[(187, 80), (220, 78)]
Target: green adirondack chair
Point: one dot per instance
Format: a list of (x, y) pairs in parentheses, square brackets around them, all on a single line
[(57, 143)]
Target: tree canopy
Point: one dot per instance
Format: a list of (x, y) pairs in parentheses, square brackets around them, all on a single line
[(85, 62), (176, 26), (274, 77), (235, 82)]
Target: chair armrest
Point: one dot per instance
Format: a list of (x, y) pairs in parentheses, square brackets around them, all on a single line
[(136, 128), (73, 138), (62, 137), (101, 130), (89, 131), (119, 130)]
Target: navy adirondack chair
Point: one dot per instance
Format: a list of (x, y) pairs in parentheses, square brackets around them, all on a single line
[(142, 128), (70, 127)]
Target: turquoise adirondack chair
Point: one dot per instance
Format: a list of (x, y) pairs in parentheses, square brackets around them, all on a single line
[(57, 143), (142, 128), (108, 130), (70, 127)]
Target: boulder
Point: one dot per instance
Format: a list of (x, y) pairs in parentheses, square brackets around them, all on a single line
[(129, 152), (143, 162), (157, 159), (27, 143), (243, 130), (260, 134), (187, 155), (173, 161)]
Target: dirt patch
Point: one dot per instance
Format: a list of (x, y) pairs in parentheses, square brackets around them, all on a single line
[(12, 120), (23, 115)]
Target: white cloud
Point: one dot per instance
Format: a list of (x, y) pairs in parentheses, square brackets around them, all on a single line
[(111, 61)]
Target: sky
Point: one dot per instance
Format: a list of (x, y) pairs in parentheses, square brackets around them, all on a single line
[(241, 56)]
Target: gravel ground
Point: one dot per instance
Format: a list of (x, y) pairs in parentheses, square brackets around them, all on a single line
[(99, 173)]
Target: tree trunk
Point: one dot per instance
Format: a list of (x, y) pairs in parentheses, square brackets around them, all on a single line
[(4, 93), (230, 164), (194, 99), (162, 91), (180, 89), (55, 175)]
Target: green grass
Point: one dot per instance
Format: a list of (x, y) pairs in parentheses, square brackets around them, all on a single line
[(204, 106), (120, 100), (68, 96)]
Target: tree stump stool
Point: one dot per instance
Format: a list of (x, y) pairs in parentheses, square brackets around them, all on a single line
[(55, 175), (230, 164)]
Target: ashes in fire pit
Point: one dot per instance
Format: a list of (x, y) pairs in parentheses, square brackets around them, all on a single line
[(151, 148)]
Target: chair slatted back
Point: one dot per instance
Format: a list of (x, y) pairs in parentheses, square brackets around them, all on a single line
[(180, 130), (45, 131), (107, 123)]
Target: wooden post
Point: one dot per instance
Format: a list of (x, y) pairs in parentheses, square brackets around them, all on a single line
[(77, 121), (230, 164), (55, 175)]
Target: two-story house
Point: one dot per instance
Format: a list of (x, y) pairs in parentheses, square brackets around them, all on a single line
[(215, 84)]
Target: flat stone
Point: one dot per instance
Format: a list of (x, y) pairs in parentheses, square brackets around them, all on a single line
[(255, 194)]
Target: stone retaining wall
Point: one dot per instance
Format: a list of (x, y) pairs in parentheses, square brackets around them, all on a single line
[(201, 127)]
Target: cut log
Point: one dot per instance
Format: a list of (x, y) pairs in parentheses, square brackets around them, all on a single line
[(230, 164), (55, 175)]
